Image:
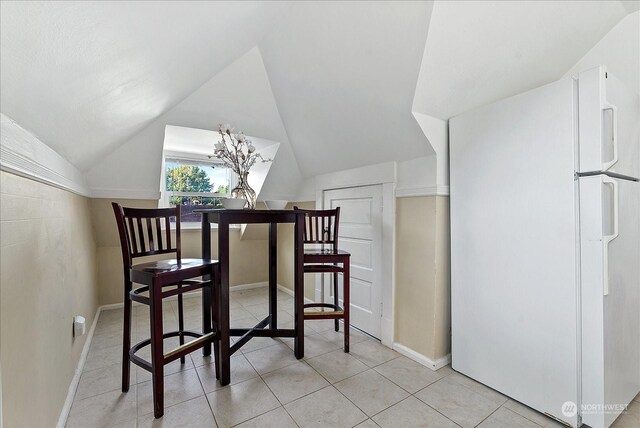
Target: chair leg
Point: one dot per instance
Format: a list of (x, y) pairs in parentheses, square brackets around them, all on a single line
[(206, 317), (215, 323), (335, 298), (157, 353), (126, 338), (181, 321), (346, 284)]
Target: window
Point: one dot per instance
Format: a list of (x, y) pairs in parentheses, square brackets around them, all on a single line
[(195, 183)]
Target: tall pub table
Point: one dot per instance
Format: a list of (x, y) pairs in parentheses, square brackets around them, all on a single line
[(268, 327)]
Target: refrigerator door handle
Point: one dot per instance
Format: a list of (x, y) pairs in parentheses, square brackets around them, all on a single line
[(614, 132), (608, 238)]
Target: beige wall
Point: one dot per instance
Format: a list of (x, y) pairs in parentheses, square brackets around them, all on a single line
[(285, 255), (442, 313), (422, 284), (248, 257), (48, 275)]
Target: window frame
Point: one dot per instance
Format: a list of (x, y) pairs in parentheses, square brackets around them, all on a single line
[(195, 159)]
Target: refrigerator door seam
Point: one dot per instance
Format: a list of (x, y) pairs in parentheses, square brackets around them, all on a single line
[(578, 284)]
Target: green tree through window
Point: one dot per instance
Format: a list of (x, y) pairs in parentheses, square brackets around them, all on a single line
[(193, 185), (188, 178)]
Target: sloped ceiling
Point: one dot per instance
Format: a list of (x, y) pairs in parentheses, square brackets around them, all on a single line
[(334, 82), (344, 76), (86, 76), (241, 95), (480, 51), (631, 5)]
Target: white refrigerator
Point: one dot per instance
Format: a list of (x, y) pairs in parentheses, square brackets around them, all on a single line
[(545, 247)]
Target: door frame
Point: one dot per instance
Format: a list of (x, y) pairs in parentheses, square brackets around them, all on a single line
[(381, 174)]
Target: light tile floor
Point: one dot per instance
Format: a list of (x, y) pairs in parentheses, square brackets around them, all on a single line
[(371, 386)]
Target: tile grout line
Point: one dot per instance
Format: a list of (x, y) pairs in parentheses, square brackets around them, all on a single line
[(471, 390), (429, 405), (247, 380), (524, 416), (340, 392), (305, 395), (412, 394), (487, 417), (205, 394), (276, 397)]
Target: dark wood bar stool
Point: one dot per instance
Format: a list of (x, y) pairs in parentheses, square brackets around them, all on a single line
[(321, 229), (141, 235)]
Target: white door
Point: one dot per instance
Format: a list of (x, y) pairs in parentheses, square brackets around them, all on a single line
[(360, 233)]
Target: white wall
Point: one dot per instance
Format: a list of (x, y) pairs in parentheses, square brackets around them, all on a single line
[(437, 132), (619, 50), (417, 177)]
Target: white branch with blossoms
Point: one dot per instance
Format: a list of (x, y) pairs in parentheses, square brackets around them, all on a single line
[(236, 151)]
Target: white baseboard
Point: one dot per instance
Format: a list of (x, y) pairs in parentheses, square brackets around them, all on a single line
[(290, 293), (64, 414), (419, 358), (116, 306), (248, 286)]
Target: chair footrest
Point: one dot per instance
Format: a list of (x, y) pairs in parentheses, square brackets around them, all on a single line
[(189, 347), (323, 314), (323, 305), (336, 311), (174, 354), (136, 295)]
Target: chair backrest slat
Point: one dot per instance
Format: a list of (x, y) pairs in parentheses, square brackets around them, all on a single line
[(159, 234), (167, 227), (132, 231), (141, 234), (150, 235), (321, 226)]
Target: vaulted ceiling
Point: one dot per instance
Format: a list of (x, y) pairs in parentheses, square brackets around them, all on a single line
[(87, 76), (98, 81)]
